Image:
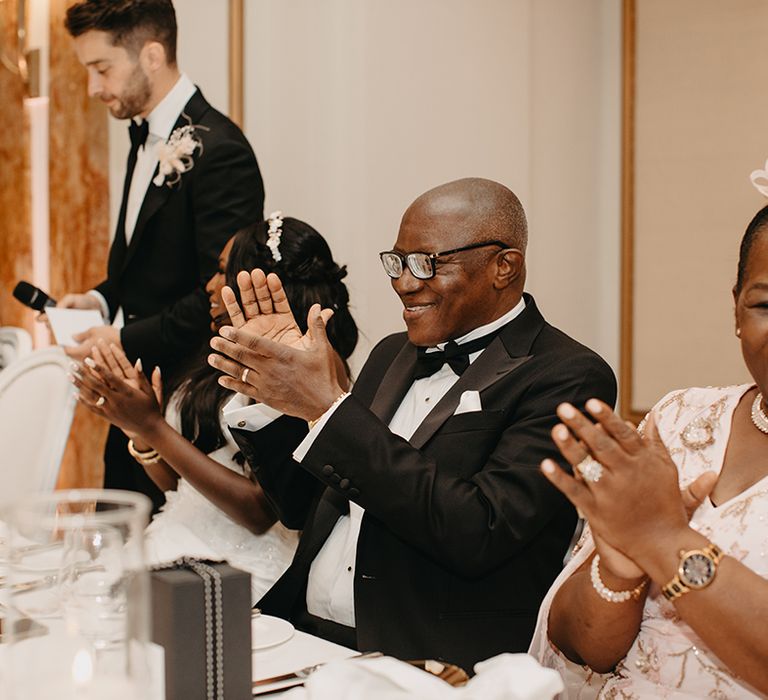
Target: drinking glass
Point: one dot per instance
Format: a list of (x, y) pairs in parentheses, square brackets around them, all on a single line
[(75, 596)]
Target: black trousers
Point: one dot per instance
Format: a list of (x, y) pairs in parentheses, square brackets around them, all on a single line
[(121, 471)]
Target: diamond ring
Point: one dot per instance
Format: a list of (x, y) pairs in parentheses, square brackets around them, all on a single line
[(100, 402), (244, 375), (590, 469)]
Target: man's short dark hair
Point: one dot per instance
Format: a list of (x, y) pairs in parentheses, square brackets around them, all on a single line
[(130, 23)]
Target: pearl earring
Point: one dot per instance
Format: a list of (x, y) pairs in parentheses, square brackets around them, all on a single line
[(738, 332)]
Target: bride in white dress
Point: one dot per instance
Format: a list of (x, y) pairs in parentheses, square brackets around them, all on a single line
[(214, 509), (191, 525)]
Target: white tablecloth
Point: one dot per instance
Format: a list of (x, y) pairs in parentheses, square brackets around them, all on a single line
[(300, 651)]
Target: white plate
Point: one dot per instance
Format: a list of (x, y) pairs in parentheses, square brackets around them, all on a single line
[(268, 631)]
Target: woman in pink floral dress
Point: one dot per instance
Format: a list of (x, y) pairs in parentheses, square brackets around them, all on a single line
[(667, 596)]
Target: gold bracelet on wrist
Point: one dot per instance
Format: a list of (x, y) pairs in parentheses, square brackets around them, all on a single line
[(312, 423), (150, 456), (606, 593)]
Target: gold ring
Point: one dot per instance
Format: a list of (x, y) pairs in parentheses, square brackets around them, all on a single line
[(100, 402), (244, 375), (590, 469)]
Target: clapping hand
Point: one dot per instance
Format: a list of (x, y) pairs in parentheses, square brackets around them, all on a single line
[(636, 501), (265, 355), (110, 386), (265, 309)]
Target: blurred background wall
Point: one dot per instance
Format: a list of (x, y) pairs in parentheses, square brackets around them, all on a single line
[(354, 108)]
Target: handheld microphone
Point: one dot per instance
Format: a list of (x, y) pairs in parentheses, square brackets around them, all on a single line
[(33, 297)]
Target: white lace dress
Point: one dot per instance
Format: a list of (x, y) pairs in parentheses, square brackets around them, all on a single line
[(668, 659), (189, 524)]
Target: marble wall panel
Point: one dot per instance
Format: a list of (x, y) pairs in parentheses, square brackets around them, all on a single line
[(15, 240), (79, 239)]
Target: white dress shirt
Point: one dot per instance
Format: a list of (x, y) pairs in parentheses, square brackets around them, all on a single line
[(161, 122), (330, 589)]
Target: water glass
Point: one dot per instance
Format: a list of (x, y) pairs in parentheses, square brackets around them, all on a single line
[(75, 596)]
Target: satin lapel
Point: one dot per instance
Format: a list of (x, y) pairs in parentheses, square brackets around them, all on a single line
[(491, 366), (395, 383), (153, 200), (156, 196)]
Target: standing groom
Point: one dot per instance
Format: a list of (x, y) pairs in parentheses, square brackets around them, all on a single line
[(191, 181)]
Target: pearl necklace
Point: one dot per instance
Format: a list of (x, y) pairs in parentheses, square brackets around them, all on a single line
[(758, 414)]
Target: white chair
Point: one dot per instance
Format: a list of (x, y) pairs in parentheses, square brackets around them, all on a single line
[(37, 402), (14, 344)]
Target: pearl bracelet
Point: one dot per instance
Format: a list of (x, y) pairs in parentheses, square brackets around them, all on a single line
[(606, 593), (339, 399), (149, 457)]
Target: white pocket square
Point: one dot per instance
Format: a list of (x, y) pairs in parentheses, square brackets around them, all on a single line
[(469, 402)]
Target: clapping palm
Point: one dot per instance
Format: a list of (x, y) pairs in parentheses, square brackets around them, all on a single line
[(265, 309), (130, 401)]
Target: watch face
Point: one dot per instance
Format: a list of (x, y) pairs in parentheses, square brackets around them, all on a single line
[(697, 570)]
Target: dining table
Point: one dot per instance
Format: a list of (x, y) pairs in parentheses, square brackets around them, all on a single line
[(301, 651)]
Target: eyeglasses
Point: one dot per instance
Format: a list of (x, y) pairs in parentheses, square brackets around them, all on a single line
[(422, 265)]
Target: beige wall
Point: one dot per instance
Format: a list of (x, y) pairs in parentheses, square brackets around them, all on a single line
[(354, 107), (701, 112)]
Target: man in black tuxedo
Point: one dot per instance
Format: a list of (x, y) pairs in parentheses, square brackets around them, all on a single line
[(428, 528), (176, 214)]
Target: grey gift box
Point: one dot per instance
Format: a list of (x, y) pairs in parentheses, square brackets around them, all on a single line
[(178, 625)]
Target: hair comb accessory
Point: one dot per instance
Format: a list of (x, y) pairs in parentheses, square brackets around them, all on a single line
[(275, 222), (760, 180)]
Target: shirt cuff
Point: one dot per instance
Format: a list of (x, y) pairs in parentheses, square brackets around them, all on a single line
[(252, 417), (301, 451), (102, 302)]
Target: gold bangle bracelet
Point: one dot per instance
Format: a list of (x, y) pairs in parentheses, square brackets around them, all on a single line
[(151, 456), (338, 400)]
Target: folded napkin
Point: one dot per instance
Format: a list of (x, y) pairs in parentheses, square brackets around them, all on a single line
[(503, 677)]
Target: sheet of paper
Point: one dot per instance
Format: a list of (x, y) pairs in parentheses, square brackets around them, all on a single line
[(68, 322)]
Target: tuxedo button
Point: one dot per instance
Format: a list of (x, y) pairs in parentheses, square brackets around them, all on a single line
[(327, 470), (353, 492), (241, 424), (344, 484)]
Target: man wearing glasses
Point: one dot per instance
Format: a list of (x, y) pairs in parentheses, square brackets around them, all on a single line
[(428, 530)]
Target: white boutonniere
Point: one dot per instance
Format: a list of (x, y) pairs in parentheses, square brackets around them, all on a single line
[(175, 156)]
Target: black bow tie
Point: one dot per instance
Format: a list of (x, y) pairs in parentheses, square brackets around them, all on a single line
[(138, 133), (457, 356)]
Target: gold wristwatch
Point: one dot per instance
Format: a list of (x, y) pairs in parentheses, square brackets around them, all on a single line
[(696, 571)]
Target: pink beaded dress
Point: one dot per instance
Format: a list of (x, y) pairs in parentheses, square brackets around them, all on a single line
[(668, 659)]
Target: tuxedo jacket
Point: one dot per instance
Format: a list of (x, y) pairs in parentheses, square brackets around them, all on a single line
[(462, 535), (159, 278)]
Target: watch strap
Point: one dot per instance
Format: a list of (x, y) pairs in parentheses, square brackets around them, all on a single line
[(677, 587)]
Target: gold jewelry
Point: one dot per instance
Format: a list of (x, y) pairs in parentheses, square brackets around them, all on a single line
[(606, 593), (312, 423), (149, 457), (590, 469), (758, 414), (100, 402), (696, 571), (244, 375)]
